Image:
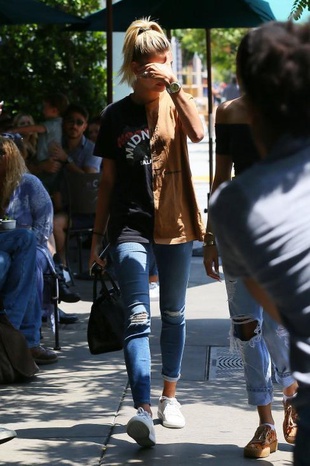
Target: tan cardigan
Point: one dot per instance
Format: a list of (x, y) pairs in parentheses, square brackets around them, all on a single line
[(177, 217)]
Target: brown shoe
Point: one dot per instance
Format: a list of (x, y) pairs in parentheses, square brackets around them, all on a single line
[(290, 422), (262, 444), (43, 355)]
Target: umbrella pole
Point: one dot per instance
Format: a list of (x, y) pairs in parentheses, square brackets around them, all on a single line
[(210, 106), (109, 29)]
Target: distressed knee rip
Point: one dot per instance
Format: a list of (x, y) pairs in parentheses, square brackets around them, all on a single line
[(244, 331), (172, 314), (140, 318)]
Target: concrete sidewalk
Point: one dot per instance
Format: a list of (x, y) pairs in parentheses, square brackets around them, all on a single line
[(75, 412)]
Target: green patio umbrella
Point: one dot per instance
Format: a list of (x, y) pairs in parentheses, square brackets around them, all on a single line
[(33, 12), (180, 14)]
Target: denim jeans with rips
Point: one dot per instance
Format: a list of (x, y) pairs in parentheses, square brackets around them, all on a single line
[(18, 288), (268, 347), (132, 261)]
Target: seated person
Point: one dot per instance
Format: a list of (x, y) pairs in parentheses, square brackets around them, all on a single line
[(76, 151), (25, 199), (30, 140), (65, 294), (93, 128), (49, 131), (18, 288), (77, 155)]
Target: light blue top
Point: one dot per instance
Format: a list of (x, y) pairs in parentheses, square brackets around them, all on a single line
[(31, 206), (83, 155), (53, 134)]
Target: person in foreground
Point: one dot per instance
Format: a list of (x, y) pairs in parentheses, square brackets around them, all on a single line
[(147, 194), (262, 342), (261, 219)]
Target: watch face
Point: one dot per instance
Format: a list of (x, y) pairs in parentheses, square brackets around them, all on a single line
[(174, 87)]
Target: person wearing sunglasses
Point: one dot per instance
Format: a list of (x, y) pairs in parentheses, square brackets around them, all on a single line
[(76, 154), (76, 150)]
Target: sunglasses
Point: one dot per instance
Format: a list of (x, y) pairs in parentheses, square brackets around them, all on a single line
[(16, 137), (77, 122)]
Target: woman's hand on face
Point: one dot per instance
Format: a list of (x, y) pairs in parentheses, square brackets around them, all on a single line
[(160, 70)]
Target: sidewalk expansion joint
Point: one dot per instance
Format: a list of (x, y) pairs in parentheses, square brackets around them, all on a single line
[(113, 424)]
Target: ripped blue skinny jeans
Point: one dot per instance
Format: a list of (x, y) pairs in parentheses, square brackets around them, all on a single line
[(268, 347), (131, 262)]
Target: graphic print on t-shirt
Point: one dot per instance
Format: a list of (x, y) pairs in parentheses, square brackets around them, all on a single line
[(136, 145)]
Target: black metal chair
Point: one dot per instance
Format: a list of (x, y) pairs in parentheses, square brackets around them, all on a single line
[(51, 298)]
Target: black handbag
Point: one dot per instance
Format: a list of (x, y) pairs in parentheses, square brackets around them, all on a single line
[(105, 330)]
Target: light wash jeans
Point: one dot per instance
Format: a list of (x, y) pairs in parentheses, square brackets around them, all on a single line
[(18, 288), (132, 261), (268, 347)]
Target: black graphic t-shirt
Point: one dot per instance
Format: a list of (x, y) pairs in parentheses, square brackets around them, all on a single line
[(124, 137)]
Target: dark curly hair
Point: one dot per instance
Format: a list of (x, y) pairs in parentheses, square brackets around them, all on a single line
[(273, 67)]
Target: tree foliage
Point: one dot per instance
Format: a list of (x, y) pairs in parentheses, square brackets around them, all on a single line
[(298, 8), (224, 44), (36, 59)]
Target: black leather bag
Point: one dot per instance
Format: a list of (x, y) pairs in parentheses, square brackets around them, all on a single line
[(16, 362), (105, 331)]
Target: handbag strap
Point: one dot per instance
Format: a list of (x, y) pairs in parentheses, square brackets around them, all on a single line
[(104, 279)]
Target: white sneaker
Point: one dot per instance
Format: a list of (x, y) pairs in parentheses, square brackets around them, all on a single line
[(141, 428), (154, 291), (170, 414)]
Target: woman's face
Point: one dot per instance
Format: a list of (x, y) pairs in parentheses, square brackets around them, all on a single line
[(152, 70), (24, 121), (93, 131)]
